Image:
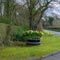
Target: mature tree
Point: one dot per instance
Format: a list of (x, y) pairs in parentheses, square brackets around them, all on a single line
[(9, 12), (36, 9)]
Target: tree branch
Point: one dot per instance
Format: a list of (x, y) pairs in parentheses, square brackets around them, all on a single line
[(42, 11)]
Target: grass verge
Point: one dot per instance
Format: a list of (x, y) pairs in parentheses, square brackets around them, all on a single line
[(49, 43)]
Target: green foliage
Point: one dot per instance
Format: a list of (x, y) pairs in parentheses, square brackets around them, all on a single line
[(31, 34), (18, 31), (5, 20)]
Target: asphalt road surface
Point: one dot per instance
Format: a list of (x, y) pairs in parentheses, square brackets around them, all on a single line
[(54, 32), (54, 57)]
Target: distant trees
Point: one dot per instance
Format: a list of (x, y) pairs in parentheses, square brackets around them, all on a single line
[(50, 20)]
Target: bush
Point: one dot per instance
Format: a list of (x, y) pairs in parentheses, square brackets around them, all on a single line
[(31, 34), (17, 37), (18, 31), (5, 20)]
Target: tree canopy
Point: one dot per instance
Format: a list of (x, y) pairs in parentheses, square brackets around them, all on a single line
[(36, 9)]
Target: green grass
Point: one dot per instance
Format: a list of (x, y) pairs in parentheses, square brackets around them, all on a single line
[(49, 44)]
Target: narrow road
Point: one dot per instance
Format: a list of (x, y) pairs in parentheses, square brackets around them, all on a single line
[(54, 32), (54, 57)]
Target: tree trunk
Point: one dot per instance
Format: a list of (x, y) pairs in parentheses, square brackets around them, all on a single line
[(40, 26), (7, 39), (30, 23)]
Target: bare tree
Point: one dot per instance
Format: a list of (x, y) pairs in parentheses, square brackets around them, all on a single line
[(36, 8)]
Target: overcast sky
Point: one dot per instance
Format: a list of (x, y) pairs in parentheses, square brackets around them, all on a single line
[(54, 8)]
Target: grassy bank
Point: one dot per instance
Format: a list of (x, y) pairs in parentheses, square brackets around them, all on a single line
[(49, 44)]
